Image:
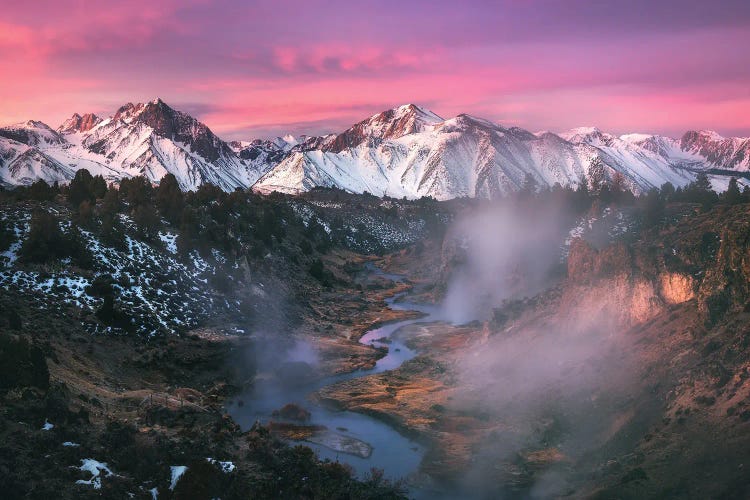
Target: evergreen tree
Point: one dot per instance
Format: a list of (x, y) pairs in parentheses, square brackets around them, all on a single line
[(652, 208), (77, 249), (85, 215), (147, 221), (189, 230), (169, 199), (111, 202), (135, 191), (581, 198), (98, 187), (7, 235), (667, 191), (732, 195), (701, 184), (41, 191), (112, 231), (45, 241), (700, 191), (80, 188)]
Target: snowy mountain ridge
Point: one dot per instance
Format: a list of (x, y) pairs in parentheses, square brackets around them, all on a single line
[(148, 139), (405, 151)]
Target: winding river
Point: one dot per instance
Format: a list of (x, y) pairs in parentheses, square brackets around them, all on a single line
[(396, 454)]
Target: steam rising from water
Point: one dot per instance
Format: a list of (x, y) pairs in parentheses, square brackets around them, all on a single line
[(500, 252), (556, 383)]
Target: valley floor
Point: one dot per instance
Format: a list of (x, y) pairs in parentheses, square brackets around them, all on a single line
[(626, 379)]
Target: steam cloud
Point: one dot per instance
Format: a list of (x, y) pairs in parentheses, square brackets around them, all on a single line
[(555, 383), (502, 251)]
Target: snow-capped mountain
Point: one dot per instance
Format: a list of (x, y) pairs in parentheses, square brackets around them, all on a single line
[(150, 139), (78, 123), (731, 153), (410, 151), (405, 151)]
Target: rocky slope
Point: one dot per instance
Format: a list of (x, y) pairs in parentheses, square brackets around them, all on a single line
[(410, 151), (150, 139), (405, 151), (628, 379), (96, 404), (731, 153)]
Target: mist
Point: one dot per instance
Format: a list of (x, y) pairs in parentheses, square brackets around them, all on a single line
[(501, 251), (554, 385)]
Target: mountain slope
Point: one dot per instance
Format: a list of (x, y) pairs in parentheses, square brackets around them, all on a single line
[(405, 151), (150, 139), (720, 152), (409, 151)]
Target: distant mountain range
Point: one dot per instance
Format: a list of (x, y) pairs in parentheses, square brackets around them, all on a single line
[(406, 151)]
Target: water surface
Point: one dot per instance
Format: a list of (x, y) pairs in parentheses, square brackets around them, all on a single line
[(397, 455)]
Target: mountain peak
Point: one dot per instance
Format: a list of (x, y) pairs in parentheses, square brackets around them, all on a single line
[(711, 134), (587, 135), (386, 125), (420, 113), (78, 123), (32, 133)]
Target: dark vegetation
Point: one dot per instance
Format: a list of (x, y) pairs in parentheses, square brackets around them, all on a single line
[(141, 447), (247, 228)]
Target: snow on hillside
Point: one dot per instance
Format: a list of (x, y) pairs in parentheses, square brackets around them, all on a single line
[(468, 156), (161, 292), (405, 151), (148, 139)]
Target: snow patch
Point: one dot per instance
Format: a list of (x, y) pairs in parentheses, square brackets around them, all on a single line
[(226, 467), (95, 468), (177, 472)]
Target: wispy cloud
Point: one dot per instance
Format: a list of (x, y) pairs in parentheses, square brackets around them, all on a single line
[(250, 68)]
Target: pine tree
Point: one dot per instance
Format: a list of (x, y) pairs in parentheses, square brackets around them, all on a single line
[(701, 183), (732, 195), (98, 187), (45, 241), (80, 188), (653, 208), (85, 215), (700, 191), (147, 221), (41, 191), (135, 191), (169, 198), (667, 191), (111, 202)]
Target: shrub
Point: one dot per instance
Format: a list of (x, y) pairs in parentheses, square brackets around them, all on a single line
[(45, 241)]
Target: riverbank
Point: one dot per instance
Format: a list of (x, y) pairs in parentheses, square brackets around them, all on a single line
[(327, 428)]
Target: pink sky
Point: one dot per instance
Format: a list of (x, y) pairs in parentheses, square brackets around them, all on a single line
[(263, 68)]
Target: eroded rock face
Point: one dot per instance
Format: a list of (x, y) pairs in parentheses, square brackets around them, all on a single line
[(726, 283), (617, 301), (676, 288), (586, 263), (630, 288), (78, 123)]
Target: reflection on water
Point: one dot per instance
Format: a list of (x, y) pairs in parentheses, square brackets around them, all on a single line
[(397, 455)]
